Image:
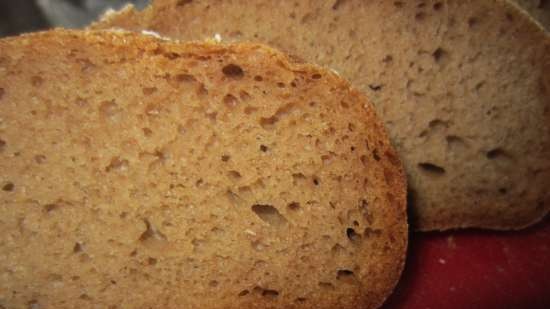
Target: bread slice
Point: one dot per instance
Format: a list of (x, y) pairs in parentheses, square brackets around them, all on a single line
[(141, 173), (463, 87), (539, 9)]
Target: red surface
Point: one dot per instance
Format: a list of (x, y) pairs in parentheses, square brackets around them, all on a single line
[(476, 269)]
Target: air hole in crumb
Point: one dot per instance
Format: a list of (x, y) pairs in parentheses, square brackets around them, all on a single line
[(201, 90), (370, 232), (439, 55), (316, 76), (337, 4), (117, 164), (153, 109), (183, 2), (496, 153), (243, 293), (375, 155), (267, 293), (364, 160), (375, 87), (258, 78), (33, 304), (147, 132), (151, 234), (39, 159), (77, 248), (85, 297), (185, 78), (316, 181), (298, 177), (233, 71), (455, 142), (264, 148), (109, 109), (503, 190), (509, 17), (281, 85), (269, 122), (151, 261), (230, 100), (353, 236), (234, 175), (213, 283), (250, 109), (420, 16), (337, 249), (149, 90), (326, 159), (294, 206), (2, 92), (50, 207), (8, 187), (472, 22), (398, 4), (269, 214), (326, 285), (37, 81), (80, 102), (437, 6), (226, 158), (344, 104), (431, 168), (346, 276), (245, 96), (2, 145)]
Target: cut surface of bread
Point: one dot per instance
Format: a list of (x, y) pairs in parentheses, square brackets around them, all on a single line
[(463, 87), (538, 9), (141, 173)]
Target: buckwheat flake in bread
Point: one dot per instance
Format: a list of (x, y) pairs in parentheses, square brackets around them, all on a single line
[(463, 87), (539, 9), (141, 173)]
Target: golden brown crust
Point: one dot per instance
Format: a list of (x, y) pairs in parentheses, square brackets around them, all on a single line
[(190, 175)]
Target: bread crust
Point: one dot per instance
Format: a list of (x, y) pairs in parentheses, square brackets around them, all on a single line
[(538, 10), (107, 199)]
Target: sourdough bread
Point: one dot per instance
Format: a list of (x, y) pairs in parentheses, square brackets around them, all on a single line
[(141, 173), (463, 87)]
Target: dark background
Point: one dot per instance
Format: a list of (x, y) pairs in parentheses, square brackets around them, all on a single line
[(22, 16)]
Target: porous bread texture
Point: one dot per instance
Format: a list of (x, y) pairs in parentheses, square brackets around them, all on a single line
[(141, 173), (463, 87), (538, 9)]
